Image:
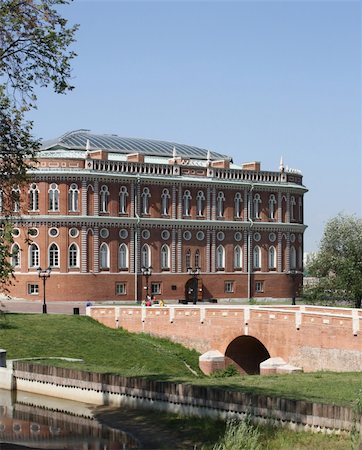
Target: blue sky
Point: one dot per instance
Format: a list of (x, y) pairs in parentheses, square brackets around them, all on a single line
[(253, 79)]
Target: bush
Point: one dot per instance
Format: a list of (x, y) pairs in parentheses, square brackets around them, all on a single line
[(239, 436), (229, 371)]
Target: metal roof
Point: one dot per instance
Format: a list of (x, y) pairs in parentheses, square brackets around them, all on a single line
[(84, 139)]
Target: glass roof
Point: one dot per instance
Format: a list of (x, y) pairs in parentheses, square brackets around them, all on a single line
[(78, 140)]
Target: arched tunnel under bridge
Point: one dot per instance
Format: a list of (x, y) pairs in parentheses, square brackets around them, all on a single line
[(246, 352)]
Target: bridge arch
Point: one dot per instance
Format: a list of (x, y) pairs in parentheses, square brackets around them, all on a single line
[(247, 353)]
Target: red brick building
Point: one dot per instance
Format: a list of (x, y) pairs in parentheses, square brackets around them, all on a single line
[(116, 217)]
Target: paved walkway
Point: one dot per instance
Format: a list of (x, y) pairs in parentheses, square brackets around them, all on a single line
[(36, 306)]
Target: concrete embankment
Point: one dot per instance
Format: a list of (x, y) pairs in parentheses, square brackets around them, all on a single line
[(115, 390)]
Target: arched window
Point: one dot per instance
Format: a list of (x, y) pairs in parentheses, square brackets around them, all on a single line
[(272, 257), (188, 258), (103, 199), (33, 197), (33, 256), (300, 209), (292, 207), (145, 201), (272, 203), (53, 255), (123, 194), (165, 197), (293, 258), (256, 257), (220, 204), (256, 203), (73, 256), (197, 259), (15, 256), (300, 259), (200, 201), (73, 198), (220, 258), (187, 203), (104, 256), (123, 257), (238, 261), (15, 197), (237, 205), (165, 257), (145, 256), (53, 197)]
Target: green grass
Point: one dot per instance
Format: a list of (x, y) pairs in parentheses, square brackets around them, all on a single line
[(102, 349), (117, 351)]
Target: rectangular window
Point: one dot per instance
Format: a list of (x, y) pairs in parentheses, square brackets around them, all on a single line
[(33, 288), (155, 288), (259, 286), (121, 289), (229, 287)]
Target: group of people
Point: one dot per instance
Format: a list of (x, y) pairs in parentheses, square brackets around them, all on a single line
[(149, 301)]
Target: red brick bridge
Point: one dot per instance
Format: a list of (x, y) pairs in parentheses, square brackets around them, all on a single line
[(309, 337)]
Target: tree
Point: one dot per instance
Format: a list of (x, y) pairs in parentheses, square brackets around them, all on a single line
[(35, 52), (338, 263)]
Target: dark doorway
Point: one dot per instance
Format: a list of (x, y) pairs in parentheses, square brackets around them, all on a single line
[(193, 290), (247, 353)]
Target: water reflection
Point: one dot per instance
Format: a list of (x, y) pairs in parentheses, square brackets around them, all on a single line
[(39, 422)]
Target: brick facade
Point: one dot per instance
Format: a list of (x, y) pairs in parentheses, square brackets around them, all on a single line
[(98, 215)]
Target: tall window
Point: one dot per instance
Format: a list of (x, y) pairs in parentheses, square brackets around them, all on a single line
[(220, 204), (200, 202), (197, 259), (104, 256), (145, 256), (15, 195), (53, 197), (256, 204), (53, 255), (300, 209), (165, 199), (15, 256), (272, 257), (238, 263), (73, 198), (292, 207), (272, 203), (123, 257), (33, 197), (1, 200), (146, 200), (33, 256), (73, 256), (293, 258), (256, 257), (220, 258), (103, 199), (123, 194), (237, 205), (188, 258), (187, 203), (165, 257)]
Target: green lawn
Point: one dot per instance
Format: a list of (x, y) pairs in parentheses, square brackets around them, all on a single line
[(117, 351)]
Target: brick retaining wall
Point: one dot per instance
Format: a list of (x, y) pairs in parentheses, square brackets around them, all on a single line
[(175, 397)]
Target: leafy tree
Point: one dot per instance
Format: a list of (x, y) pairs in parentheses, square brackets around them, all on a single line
[(338, 264), (35, 52)]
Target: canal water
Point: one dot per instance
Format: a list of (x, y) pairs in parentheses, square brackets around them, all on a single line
[(31, 421)]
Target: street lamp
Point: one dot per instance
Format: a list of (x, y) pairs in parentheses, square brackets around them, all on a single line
[(146, 272), (194, 272), (44, 274), (293, 273)]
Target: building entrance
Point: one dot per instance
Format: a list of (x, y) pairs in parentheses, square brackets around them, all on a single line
[(193, 290)]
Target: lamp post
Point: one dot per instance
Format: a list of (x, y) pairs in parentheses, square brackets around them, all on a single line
[(292, 273), (194, 272), (44, 274), (146, 272)]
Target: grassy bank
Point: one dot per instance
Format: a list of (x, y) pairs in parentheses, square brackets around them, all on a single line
[(106, 350)]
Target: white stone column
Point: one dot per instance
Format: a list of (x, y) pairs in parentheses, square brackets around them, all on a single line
[(173, 250), (96, 198), (84, 198), (280, 252), (96, 249), (84, 250)]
